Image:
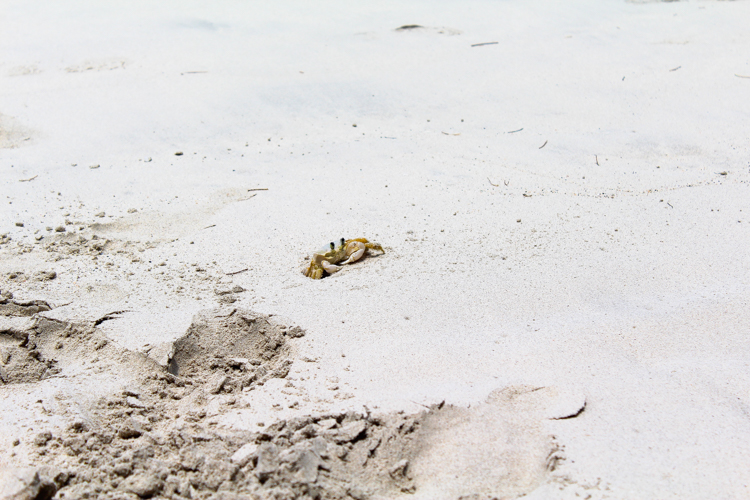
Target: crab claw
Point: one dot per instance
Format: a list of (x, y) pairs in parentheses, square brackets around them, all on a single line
[(330, 268), (355, 250)]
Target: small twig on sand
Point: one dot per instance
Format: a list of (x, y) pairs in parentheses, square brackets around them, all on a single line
[(257, 189), (483, 43), (545, 143), (741, 76), (108, 316), (514, 131), (675, 69), (236, 272), (29, 179), (212, 225), (597, 160), (245, 199), (574, 415), (496, 185)]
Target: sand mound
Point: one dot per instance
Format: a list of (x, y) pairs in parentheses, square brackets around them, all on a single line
[(147, 449), (234, 349), (10, 307), (156, 438), (33, 348), (21, 361)]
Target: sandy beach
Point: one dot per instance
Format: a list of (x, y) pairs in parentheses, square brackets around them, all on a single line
[(561, 191)]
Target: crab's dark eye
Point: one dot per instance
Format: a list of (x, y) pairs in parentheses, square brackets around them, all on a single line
[(343, 241), (332, 246)]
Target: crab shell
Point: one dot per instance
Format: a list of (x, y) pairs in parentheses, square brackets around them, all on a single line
[(347, 252)]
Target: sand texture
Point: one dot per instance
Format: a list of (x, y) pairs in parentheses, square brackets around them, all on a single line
[(561, 194)]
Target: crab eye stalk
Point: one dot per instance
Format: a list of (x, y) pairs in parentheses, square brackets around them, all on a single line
[(343, 241), (332, 246)]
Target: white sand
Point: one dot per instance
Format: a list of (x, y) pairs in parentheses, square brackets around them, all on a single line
[(601, 247)]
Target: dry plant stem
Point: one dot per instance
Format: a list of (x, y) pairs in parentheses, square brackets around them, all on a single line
[(236, 272)]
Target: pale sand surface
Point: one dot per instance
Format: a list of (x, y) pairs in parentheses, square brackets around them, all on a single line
[(565, 208)]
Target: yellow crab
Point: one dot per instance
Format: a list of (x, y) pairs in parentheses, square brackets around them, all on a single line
[(348, 251)]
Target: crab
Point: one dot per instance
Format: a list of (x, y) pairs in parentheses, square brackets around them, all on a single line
[(347, 251)]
